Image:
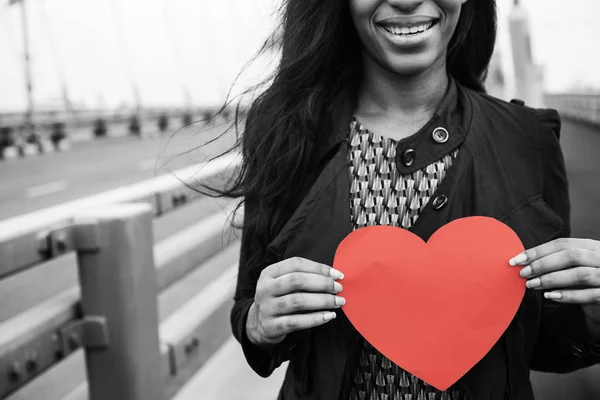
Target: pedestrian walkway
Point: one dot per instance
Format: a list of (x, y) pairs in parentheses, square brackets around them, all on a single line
[(227, 376)]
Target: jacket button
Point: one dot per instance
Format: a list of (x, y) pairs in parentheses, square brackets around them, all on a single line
[(408, 157), (440, 135), (439, 202)]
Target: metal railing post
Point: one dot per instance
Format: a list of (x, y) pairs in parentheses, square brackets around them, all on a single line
[(119, 301)]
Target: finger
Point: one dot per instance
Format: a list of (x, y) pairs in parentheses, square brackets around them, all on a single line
[(530, 255), (302, 302), (291, 323), (303, 282), (566, 258), (582, 296), (587, 277), (298, 264)]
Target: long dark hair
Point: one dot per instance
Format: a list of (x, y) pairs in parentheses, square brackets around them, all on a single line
[(311, 93)]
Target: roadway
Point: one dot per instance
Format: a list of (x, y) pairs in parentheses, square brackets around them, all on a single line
[(36, 182), (98, 166)]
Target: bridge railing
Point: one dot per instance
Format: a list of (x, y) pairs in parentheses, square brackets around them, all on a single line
[(580, 107), (55, 130), (16, 119), (112, 314)]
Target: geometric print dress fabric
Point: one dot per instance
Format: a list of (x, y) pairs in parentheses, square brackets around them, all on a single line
[(380, 195)]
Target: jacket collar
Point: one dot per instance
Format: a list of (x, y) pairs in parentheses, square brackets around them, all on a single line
[(450, 115)]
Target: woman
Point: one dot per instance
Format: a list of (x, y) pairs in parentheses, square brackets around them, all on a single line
[(377, 116)]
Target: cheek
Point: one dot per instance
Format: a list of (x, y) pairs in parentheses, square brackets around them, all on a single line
[(450, 4), (451, 9), (361, 12), (357, 8)]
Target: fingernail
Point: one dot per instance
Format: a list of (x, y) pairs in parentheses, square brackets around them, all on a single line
[(534, 283), (527, 271), (339, 301), (337, 287), (553, 295), (329, 316), (520, 259), (335, 274)]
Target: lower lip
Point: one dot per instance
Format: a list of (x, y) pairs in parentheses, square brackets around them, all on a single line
[(408, 40)]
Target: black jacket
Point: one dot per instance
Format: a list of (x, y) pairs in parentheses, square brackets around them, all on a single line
[(509, 167)]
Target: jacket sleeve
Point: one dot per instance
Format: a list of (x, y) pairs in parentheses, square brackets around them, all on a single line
[(263, 360), (563, 344)]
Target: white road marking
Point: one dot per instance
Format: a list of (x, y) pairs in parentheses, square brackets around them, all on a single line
[(37, 220), (147, 165), (48, 188)]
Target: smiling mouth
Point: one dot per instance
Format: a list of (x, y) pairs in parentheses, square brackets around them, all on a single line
[(409, 30)]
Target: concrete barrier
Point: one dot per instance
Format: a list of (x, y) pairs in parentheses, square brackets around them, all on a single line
[(83, 126), (128, 355), (579, 107)]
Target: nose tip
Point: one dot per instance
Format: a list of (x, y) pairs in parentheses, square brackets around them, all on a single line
[(406, 6)]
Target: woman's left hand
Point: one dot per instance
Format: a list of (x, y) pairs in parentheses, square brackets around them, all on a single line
[(569, 269)]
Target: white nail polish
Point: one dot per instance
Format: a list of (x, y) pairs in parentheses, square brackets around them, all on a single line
[(335, 274), (520, 259), (329, 316), (553, 295), (337, 287)]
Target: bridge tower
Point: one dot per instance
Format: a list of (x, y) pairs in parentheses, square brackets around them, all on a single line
[(528, 77), (28, 126)]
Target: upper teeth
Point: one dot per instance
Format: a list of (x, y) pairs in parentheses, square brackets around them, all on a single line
[(396, 30)]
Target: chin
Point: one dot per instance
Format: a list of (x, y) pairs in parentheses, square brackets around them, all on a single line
[(408, 65)]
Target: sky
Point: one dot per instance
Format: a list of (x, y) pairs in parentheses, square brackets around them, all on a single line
[(104, 50)]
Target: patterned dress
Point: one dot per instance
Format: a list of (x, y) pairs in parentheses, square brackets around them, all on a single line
[(379, 195)]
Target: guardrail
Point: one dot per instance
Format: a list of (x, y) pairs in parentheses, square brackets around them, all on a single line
[(54, 130), (62, 115), (112, 314), (580, 107)]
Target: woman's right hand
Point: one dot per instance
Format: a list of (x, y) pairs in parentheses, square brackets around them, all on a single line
[(292, 295)]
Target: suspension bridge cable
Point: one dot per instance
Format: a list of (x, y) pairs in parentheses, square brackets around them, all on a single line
[(125, 54), (58, 66), (10, 35), (176, 54), (215, 58)]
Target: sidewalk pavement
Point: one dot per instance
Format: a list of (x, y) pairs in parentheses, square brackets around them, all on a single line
[(227, 376)]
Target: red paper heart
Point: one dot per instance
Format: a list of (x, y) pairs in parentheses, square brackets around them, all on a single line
[(436, 308)]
